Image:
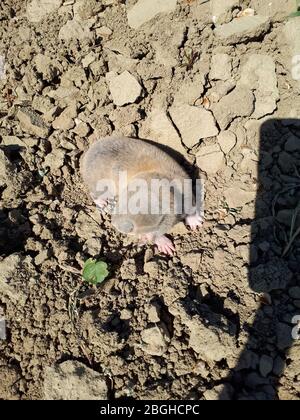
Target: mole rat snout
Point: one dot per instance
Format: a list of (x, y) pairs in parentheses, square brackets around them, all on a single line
[(123, 225)]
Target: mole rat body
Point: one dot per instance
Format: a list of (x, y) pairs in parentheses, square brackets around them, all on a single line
[(147, 184)]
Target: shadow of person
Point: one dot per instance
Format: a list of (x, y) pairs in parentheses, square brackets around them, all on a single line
[(268, 367)]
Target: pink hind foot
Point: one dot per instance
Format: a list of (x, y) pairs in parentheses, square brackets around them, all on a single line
[(104, 204), (164, 244), (194, 221), (101, 203)]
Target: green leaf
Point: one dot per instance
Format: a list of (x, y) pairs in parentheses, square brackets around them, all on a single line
[(89, 270), (101, 271), (94, 272), (295, 14)]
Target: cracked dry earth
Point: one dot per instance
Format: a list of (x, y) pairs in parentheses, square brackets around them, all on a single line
[(210, 79)]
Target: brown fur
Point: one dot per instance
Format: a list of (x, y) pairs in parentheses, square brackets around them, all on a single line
[(108, 156)]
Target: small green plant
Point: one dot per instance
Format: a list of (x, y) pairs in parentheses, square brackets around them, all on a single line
[(189, 58), (294, 230), (297, 13), (94, 272)]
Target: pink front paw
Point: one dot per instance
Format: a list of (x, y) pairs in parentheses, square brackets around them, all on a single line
[(101, 203), (165, 245), (104, 204), (145, 238), (194, 221)]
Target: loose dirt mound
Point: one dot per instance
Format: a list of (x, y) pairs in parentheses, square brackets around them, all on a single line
[(213, 82)]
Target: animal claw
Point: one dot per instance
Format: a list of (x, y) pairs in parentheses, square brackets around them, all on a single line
[(194, 221), (165, 245)]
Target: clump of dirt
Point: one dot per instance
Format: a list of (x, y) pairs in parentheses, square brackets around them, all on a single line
[(214, 83)]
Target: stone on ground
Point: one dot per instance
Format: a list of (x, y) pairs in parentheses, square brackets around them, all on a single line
[(32, 123), (284, 336), (259, 74), (124, 88), (292, 144), (158, 127), (85, 9), (155, 340), (168, 43), (192, 260), (75, 30), (65, 121), (243, 29), (193, 123), (222, 392), (9, 267), (277, 10), (273, 275), (238, 103), (227, 141), (190, 91), (45, 66), (220, 67), (265, 365), (72, 380), (211, 343), (6, 170), (210, 159), (145, 10), (236, 197), (222, 10), (55, 160), (37, 9)]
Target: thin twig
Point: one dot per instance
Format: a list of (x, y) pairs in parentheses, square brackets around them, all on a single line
[(287, 248), (295, 214), (70, 269)]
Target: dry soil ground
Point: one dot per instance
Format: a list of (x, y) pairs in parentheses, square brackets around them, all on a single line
[(211, 79)]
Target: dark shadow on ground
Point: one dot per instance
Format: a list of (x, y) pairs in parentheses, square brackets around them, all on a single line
[(274, 269)]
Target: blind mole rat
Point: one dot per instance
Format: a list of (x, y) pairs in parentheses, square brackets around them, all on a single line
[(138, 162)]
